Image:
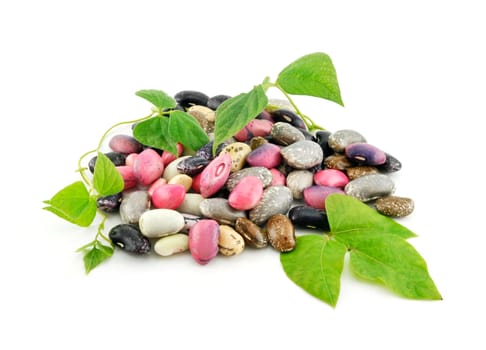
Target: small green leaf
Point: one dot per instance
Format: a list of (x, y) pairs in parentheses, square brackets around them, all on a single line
[(74, 204), (312, 75), (96, 255), (158, 98), (185, 129), (347, 215), (394, 262), (316, 265), (233, 114), (154, 132), (106, 179)]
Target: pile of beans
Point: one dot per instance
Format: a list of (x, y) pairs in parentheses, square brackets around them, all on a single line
[(272, 176)]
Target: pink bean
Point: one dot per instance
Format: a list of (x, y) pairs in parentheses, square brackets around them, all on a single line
[(278, 179), (315, 196), (128, 176), (214, 176), (246, 194), (168, 196), (331, 177), (148, 167), (203, 241)]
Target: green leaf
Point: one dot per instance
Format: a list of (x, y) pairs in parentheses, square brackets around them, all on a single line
[(395, 263), (378, 248), (347, 215), (158, 98), (96, 255), (74, 204), (233, 114), (154, 132), (311, 75), (106, 179), (185, 129), (316, 265)]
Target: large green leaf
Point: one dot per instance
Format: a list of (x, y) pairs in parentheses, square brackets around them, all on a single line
[(74, 204), (311, 75), (394, 262), (315, 265)]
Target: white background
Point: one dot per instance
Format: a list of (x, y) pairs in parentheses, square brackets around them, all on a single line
[(412, 79)]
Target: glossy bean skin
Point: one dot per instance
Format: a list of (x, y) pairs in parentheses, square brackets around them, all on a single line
[(129, 238), (188, 98), (286, 116), (148, 167), (214, 176), (308, 217), (203, 241), (365, 154)]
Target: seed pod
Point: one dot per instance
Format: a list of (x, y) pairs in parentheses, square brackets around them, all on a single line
[(203, 241), (129, 238)]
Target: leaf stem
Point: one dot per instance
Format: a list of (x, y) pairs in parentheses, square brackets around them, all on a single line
[(307, 120), (119, 124), (101, 227)]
